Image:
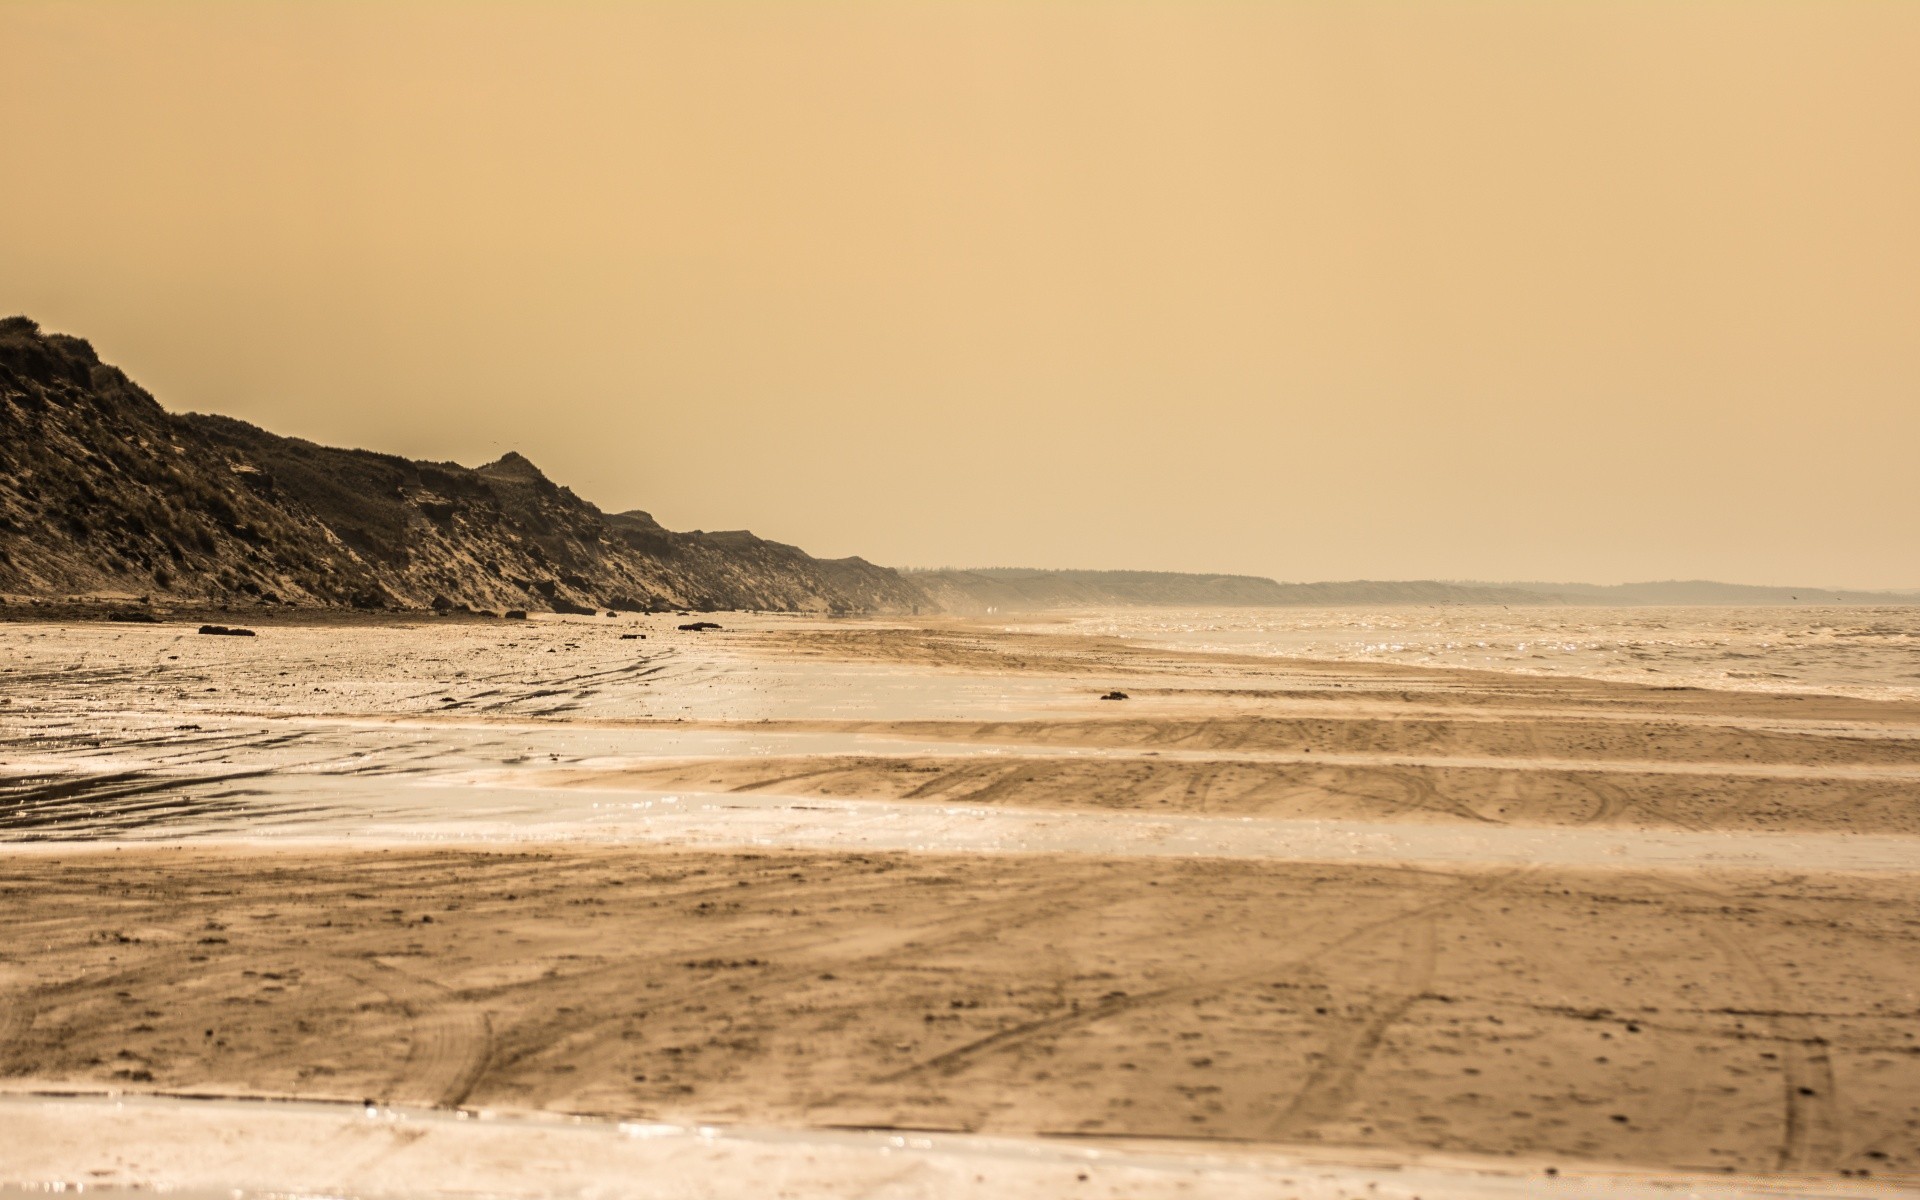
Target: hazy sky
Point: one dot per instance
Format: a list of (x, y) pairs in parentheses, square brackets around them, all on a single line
[(1311, 290)]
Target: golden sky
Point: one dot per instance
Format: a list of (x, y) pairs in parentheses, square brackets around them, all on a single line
[(1325, 290)]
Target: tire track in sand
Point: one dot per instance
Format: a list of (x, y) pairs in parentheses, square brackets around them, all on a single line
[(17, 1013), (449, 1046), (848, 948), (1810, 1104), (960, 1058), (1329, 1088), (1811, 1108)]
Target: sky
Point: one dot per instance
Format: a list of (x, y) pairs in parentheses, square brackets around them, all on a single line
[(1524, 290)]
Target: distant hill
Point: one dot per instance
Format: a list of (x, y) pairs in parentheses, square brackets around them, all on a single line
[(1013, 589), (103, 492), (1008, 589)]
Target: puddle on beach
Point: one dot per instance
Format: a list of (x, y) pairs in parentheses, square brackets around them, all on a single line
[(293, 808)]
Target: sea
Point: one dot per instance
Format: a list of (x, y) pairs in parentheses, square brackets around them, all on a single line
[(1868, 652)]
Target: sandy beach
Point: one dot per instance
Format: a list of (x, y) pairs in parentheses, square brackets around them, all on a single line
[(1170, 600), (852, 878)]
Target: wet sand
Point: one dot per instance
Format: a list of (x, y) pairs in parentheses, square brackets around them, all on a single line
[(200, 910)]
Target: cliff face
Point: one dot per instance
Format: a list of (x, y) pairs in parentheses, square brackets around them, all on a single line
[(104, 492)]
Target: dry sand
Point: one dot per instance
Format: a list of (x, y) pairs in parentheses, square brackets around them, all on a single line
[(1581, 1015)]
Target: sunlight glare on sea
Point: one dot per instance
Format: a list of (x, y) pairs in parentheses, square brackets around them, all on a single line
[(1854, 651)]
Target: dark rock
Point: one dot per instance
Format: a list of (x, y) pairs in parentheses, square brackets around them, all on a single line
[(698, 626), (1114, 696), (134, 618), (226, 631), (514, 614)]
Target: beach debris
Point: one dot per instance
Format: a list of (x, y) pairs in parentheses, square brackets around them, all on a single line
[(226, 631), (697, 626), (1114, 695)]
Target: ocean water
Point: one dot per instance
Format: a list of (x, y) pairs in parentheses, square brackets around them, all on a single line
[(1855, 651)]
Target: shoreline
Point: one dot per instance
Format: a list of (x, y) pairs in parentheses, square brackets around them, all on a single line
[(1035, 625)]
